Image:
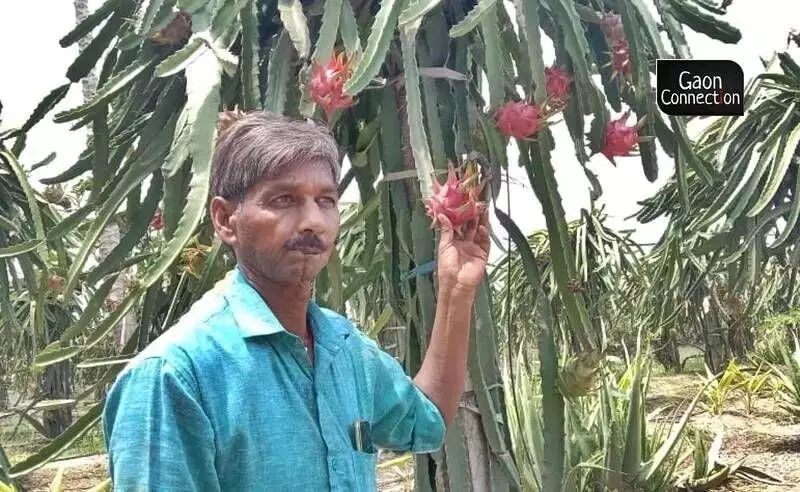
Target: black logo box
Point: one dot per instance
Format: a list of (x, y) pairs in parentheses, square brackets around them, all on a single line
[(700, 87)]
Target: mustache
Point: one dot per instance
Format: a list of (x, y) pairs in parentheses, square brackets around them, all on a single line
[(311, 242)]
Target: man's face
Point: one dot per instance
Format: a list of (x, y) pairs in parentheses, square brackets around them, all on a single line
[(285, 228)]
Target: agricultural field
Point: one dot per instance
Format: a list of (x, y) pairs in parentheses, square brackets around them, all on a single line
[(637, 325)]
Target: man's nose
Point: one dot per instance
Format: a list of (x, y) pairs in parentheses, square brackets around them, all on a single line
[(312, 217)]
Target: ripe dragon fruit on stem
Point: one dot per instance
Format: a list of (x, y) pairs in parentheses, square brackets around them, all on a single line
[(327, 84), (620, 49), (518, 119), (557, 83), (456, 199), (620, 138), (522, 120)]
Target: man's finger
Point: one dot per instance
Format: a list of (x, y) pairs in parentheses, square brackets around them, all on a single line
[(482, 238), (484, 218), (445, 227), (469, 235)]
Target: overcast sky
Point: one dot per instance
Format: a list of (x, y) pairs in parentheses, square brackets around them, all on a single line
[(33, 63)]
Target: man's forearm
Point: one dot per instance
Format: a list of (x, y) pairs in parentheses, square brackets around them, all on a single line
[(443, 370)]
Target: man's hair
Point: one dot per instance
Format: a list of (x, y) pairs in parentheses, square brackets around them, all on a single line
[(260, 145)]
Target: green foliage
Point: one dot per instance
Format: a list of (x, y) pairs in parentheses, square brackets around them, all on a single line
[(774, 333), (8, 488), (752, 386), (735, 379), (720, 386), (612, 441), (787, 373), (708, 472), (6, 483)]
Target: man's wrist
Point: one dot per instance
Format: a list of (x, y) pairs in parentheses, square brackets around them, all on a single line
[(456, 289)]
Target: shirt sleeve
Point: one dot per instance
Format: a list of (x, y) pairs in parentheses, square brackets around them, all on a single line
[(157, 435), (405, 418)]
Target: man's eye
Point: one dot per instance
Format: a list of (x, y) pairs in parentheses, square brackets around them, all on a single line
[(283, 200), (327, 201)]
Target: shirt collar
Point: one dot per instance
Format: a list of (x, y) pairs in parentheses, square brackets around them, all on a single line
[(249, 310), (255, 318)]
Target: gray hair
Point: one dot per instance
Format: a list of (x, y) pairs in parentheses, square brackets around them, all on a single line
[(261, 145)]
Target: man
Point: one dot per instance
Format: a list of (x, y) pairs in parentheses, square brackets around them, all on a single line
[(257, 387)]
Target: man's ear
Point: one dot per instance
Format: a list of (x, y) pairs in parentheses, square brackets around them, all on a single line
[(223, 216)]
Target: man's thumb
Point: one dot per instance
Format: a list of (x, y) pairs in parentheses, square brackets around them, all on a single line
[(445, 226)]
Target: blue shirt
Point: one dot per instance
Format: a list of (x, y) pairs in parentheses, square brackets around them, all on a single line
[(227, 400)]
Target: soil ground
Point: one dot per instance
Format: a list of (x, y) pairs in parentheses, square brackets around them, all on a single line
[(395, 474), (768, 438)]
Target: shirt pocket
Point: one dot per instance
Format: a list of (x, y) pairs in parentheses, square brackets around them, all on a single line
[(365, 467)]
